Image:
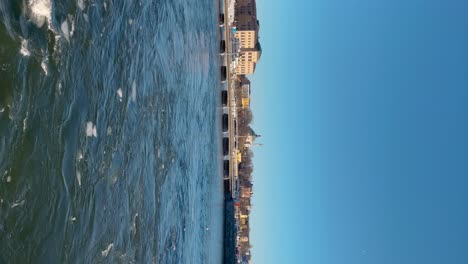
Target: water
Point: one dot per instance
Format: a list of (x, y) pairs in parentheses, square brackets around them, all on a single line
[(108, 139)]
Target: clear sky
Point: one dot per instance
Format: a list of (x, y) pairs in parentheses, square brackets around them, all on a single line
[(363, 108)]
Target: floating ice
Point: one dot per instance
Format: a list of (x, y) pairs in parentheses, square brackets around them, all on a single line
[(24, 48), (106, 252), (130, 21), (94, 131), (81, 4), (44, 66), (40, 12), (109, 130), (79, 155), (17, 204), (91, 130), (134, 229), (120, 93), (8, 179), (65, 30), (72, 23), (73, 219), (86, 17), (78, 178), (60, 88), (133, 97), (25, 123)]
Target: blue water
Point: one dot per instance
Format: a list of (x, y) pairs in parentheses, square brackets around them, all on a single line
[(87, 175)]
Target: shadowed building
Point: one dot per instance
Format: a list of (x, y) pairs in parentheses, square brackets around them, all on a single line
[(247, 27)]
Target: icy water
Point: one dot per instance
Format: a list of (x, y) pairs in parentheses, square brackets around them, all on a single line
[(108, 137)]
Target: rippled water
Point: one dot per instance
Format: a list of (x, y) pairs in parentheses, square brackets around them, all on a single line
[(108, 138)]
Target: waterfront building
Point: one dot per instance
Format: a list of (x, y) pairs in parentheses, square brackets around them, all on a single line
[(247, 25), (245, 93), (247, 28), (248, 59)]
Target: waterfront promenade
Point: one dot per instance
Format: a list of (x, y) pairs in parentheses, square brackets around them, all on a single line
[(231, 104)]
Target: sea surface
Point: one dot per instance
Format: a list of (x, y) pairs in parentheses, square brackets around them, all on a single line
[(109, 137)]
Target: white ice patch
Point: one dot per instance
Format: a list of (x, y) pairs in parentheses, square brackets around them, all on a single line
[(25, 123), (91, 130), (72, 22), (17, 204), (133, 97), (78, 178), (86, 17), (81, 4), (106, 252), (8, 178), (60, 88), (134, 229), (40, 11), (120, 93), (24, 48), (79, 155), (130, 21), (65, 30), (44, 66)]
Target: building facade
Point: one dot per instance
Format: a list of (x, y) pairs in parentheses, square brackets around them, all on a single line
[(247, 27)]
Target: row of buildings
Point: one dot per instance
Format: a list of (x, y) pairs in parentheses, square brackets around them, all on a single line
[(247, 35)]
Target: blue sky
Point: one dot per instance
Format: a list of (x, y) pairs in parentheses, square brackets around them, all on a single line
[(363, 108)]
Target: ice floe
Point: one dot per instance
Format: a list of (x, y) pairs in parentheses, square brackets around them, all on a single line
[(17, 204), (78, 178), (24, 48), (104, 253), (65, 30), (40, 11), (120, 93), (81, 4), (44, 66), (91, 130), (133, 97)]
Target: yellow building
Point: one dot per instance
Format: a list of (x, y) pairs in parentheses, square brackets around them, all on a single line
[(248, 59), (247, 27), (247, 38), (245, 93)]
